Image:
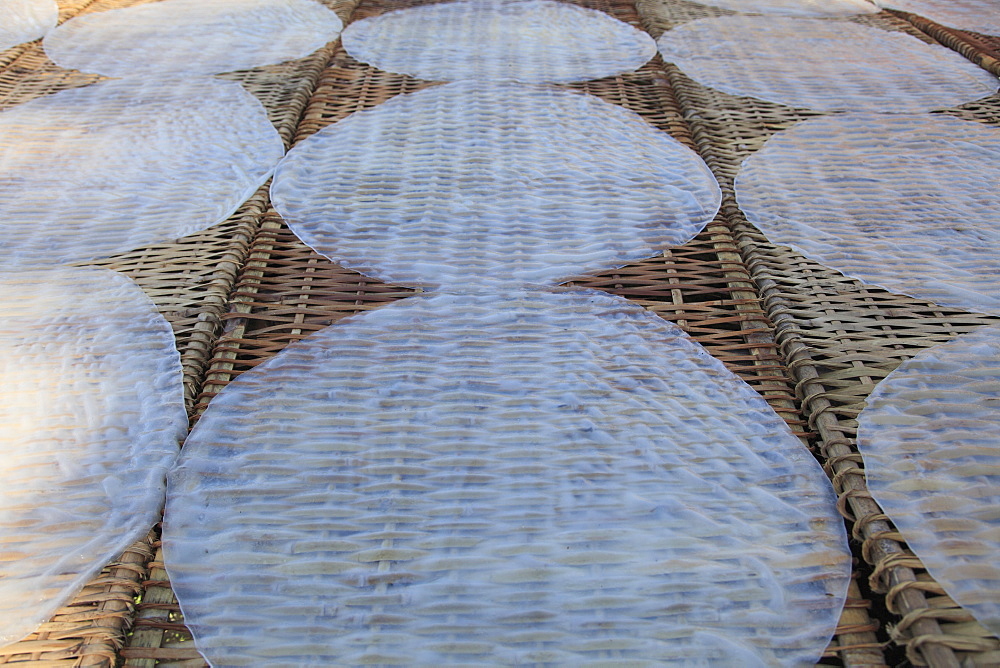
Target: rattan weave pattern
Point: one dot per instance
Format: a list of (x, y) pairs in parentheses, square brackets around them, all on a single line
[(840, 338), (190, 281)]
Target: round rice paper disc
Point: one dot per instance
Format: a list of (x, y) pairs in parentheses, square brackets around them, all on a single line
[(796, 7), (908, 203), (982, 16), (25, 20), (91, 418), (531, 41), (472, 184), (928, 436), (471, 479), (183, 37), (118, 165), (823, 65)]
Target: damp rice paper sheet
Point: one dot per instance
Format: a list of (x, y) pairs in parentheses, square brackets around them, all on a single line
[(823, 65), (185, 37), (929, 441), (118, 165), (982, 16), (908, 203), (476, 184), (531, 41), (91, 418), (796, 7), (557, 478), (25, 20)]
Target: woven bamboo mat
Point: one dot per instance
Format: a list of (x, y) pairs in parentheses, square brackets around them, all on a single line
[(840, 339), (189, 281), (267, 289), (984, 50)]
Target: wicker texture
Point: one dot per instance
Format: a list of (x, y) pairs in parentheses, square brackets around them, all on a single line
[(902, 202), (185, 37), (26, 20), (490, 185), (531, 41), (117, 165), (927, 436), (470, 485), (840, 338), (92, 418), (822, 65)]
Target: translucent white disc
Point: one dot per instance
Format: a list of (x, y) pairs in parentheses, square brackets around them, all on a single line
[(91, 416), (796, 7), (25, 20), (467, 479), (531, 41), (182, 37), (908, 203), (978, 15), (93, 171), (929, 439), (473, 184), (822, 64)]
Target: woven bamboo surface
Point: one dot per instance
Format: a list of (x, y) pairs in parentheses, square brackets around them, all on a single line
[(840, 338), (753, 305)]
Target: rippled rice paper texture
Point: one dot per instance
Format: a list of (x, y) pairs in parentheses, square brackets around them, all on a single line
[(90, 419), (486, 184), (531, 41), (554, 477), (25, 20), (796, 7), (118, 165), (981, 16), (823, 65), (182, 37), (908, 203), (928, 437)]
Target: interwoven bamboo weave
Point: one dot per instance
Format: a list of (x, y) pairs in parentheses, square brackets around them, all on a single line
[(840, 338)]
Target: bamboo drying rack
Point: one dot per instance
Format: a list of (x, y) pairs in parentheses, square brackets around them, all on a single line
[(813, 342)]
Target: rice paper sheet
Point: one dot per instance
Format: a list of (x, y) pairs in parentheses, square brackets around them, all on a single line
[(465, 479), (89, 172), (982, 16), (91, 418), (25, 20), (928, 437), (907, 203), (823, 65), (486, 184), (817, 8), (531, 41), (185, 37)]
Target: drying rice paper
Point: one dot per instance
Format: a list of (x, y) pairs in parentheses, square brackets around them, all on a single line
[(929, 440), (908, 203), (118, 165), (474, 184), (25, 20), (470, 479), (531, 41), (91, 418), (823, 65), (184, 37)]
